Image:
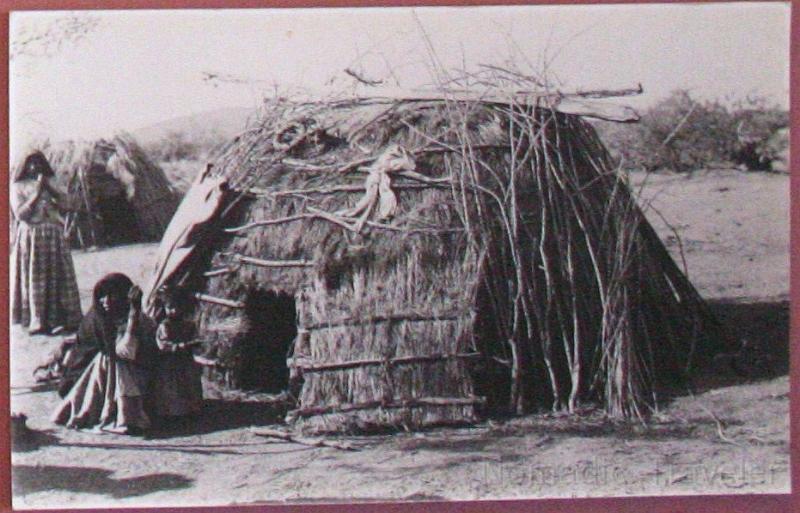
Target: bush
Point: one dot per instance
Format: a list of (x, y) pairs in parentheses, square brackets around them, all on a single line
[(181, 173), (178, 146), (682, 134)]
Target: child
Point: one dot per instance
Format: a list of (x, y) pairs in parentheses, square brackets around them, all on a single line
[(177, 389)]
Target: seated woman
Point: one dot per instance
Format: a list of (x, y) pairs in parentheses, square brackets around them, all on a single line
[(111, 392), (177, 387)]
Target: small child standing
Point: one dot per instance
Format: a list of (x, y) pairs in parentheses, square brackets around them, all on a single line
[(178, 390)]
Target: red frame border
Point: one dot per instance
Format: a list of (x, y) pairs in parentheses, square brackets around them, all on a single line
[(673, 504)]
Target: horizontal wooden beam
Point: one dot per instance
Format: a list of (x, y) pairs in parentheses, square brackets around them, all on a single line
[(372, 319), (254, 191), (268, 222), (297, 363), (416, 402), (218, 272), (231, 303), (260, 262), (346, 223)]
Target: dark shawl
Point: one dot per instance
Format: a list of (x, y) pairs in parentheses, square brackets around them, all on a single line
[(98, 333), (97, 330)]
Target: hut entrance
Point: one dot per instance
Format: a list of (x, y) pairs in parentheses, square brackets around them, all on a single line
[(112, 210), (272, 327)]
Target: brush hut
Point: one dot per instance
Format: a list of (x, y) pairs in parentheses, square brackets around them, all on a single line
[(119, 195), (418, 261)]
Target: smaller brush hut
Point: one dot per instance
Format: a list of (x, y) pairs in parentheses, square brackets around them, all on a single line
[(427, 260), (119, 195)]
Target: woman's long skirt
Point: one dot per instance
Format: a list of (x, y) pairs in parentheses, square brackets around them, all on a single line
[(108, 395), (44, 292)]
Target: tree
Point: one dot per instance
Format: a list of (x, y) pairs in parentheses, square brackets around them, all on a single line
[(44, 38)]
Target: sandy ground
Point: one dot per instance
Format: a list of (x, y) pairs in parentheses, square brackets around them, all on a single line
[(733, 229), (730, 438)]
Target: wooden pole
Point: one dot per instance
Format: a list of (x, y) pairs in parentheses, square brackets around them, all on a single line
[(372, 319), (86, 193), (401, 360), (403, 403), (219, 301), (302, 440), (260, 262)]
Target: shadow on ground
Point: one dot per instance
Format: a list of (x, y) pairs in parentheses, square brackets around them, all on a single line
[(761, 332), (48, 386), (30, 440), (220, 415), (27, 479)]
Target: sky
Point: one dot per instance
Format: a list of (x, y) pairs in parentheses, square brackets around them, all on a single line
[(131, 69)]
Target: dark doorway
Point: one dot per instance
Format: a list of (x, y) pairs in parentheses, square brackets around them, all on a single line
[(114, 217), (272, 327), (491, 374)]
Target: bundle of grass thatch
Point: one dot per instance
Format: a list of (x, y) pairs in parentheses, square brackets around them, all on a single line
[(118, 194), (443, 257)]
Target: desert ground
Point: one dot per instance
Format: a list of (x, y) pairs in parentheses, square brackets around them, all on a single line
[(730, 436)]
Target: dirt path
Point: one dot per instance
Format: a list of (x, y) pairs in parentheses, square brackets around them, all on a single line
[(732, 438), (683, 453)]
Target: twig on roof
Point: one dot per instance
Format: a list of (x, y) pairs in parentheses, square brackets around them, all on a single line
[(362, 79), (255, 191), (513, 74), (333, 218)]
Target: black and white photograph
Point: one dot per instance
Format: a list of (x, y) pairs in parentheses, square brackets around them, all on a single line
[(343, 255)]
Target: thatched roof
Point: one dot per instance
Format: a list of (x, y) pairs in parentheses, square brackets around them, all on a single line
[(120, 194), (444, 255)]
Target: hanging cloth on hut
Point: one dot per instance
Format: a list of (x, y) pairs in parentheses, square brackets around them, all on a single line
[(378, 186), (198, 208)]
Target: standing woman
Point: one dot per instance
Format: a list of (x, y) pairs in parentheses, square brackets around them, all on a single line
[(44, 292)]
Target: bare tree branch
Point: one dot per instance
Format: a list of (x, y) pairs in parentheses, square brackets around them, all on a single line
[(46, 40)]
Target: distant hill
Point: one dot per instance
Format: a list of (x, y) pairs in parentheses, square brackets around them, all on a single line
[(181, 145), (224, 123)]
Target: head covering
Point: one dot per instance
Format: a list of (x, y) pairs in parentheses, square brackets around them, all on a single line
[(34, 163), (111, 284), (97, 329)]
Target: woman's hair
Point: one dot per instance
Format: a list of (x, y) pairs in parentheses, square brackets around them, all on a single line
[(112, 284), (34, 164)]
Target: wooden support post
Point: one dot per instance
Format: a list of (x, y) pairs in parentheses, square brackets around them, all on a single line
[(86, 193), (219, 301), (260, 262)]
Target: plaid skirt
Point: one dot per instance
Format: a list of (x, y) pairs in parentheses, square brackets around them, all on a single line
[(44, 292)]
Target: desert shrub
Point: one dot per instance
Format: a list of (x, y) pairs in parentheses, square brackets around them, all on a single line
[(682, 134), (182, 172), (180, 146), (757, 127)]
